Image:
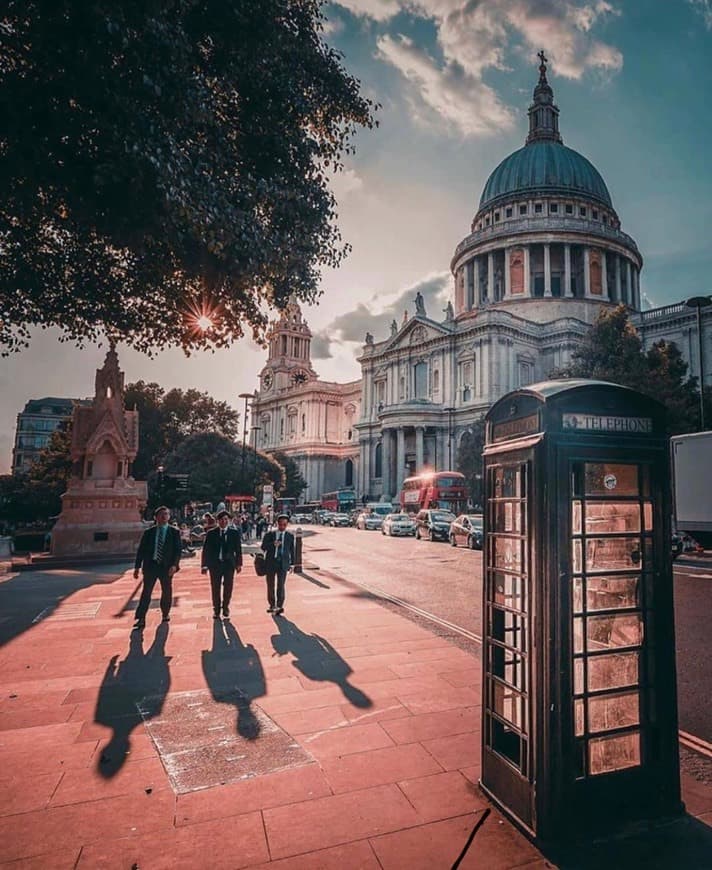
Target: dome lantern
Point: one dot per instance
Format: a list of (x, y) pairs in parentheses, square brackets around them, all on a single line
[(543, 114)]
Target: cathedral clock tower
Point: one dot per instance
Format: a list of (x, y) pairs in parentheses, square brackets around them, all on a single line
[(289, 363)]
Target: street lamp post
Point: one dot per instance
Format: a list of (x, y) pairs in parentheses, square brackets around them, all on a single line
[(698, 303), (450, 412), (246, 397), (255, 430)]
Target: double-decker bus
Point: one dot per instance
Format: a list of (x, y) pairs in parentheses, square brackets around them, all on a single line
[(341, 501), (436, 489)]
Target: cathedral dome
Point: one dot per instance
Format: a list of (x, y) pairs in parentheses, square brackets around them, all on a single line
[(544, 167)]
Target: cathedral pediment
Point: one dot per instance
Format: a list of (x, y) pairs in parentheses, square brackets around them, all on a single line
[(416, 332)]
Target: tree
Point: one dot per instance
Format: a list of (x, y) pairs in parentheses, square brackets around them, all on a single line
[(612, 351), (167, 160), (166, 419), (214, 466), (294, 481), (468, 460)]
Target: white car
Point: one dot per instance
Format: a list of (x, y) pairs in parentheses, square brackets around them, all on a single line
[(398, 524), (369, 521)]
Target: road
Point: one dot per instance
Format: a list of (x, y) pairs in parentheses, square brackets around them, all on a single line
[(447, 582)]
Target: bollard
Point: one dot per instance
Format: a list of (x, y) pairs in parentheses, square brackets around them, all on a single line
[(298, 551)]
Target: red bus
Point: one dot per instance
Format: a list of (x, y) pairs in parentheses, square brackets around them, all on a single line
[(341, 501), (437, 489)]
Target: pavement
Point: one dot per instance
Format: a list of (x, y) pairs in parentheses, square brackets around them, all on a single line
[(341, 735)]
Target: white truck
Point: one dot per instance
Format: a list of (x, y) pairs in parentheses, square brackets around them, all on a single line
[(691, 457)]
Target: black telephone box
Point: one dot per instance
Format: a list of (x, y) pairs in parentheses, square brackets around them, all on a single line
[(579, 731)]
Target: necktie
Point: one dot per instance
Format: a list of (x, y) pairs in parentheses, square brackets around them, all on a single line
[(223, 538), (160, 538), (279, 546)]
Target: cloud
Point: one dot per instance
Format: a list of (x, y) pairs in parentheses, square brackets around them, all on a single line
[(346, 182), (332, 25), (376, 319), (476, 36), (460, 99), (378, 10), (704, 7), (320, 346)]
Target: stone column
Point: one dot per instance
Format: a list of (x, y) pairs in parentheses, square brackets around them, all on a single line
[(587, 272), (618, 279), (386, 463), (604, 275), (490, 276), (547, 270), (527, 272), (507, 276), (419, 448), (636, 282), (400, 459), (567, 271), (629, 284)]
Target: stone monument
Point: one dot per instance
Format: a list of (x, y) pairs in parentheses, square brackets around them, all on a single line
[(102, 507)]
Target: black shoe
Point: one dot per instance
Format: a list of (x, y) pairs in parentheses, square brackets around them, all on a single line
[(139, 625), (226, 611), (166, 619), (216, 615), (279, 611), (270, 609)]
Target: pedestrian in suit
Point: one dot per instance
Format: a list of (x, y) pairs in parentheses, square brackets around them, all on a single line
[(159, 555), (222, 556), (278, 547)]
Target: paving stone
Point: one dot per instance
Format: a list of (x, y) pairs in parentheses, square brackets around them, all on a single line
[(344, 741), (429, 726), (23, 794), (352, 856), (134, 777), (378, 767), (459, 750), (442, 795), (330, 821)]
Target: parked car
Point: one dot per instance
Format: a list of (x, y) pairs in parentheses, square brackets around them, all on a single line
[(433, 525), (369, 521), (197, 535), (468, 529), (301, 519), (398, 524), (339, 520)]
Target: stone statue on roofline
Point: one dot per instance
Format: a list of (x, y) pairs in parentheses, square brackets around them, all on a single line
[(394, 327), (419, 304), (449, 312), (369, 338)]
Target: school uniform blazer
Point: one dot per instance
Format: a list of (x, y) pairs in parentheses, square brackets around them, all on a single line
[(172, 548), (232, 549), (269, 546)]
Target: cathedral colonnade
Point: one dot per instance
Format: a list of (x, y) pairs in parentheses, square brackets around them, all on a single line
[(395, 452), (538, 270)]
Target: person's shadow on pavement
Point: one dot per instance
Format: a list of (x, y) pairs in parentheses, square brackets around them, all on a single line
[(141, 677), (233, 671), (317, 659)]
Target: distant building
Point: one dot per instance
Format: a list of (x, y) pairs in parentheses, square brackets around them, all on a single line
[(35, 425), (309, 420)]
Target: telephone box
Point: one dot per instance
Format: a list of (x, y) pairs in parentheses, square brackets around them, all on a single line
[(579, 731)]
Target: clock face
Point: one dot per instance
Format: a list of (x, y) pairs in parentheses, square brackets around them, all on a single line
[(267, 380), (299, 377)]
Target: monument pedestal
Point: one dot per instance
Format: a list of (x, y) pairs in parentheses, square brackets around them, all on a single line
[(100, 518)]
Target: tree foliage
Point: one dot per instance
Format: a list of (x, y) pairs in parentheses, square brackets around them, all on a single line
[(295, 484), (164, 159), (165, 419), (612, 351), (215, 468), (468, 460)]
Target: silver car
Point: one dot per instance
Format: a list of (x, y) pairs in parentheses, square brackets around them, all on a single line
[(369, 521), (398, 524)]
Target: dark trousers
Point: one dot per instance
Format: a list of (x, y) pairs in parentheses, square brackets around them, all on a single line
[(221, 575), (151, 573), (275, 600)]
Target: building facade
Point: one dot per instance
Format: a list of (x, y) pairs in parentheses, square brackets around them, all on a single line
[(545, 251), (35, 425), (309, 420)]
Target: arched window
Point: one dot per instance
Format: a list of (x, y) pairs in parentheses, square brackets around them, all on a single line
[(349, 475), (378, 460)]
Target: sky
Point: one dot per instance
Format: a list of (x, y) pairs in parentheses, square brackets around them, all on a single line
[(454, 78)]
